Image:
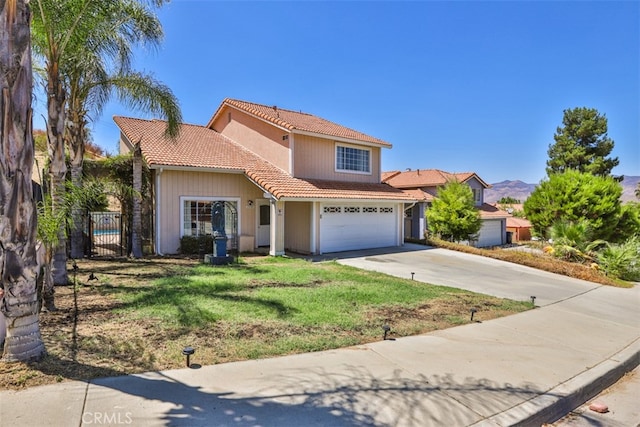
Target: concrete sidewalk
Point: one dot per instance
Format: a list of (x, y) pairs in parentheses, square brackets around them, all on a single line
[(525, 369)]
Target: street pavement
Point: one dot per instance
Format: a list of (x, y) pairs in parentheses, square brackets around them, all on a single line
[(623, 406), (527, 369)]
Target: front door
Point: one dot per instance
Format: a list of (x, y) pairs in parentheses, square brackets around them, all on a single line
[(264, 223)]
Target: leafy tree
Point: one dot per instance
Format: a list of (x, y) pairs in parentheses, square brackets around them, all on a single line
[(638, 191), (508, 201), (19, 318), (629, 223), (452, 214), (574, 196), (582, 144)]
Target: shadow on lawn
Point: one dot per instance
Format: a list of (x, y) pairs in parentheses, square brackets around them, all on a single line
[(303, 396)]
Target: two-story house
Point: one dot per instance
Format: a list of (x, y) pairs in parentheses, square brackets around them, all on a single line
[(287, 180), (423, 184)]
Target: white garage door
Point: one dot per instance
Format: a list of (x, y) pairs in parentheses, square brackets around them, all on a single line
[(490, 233), (346, 226)]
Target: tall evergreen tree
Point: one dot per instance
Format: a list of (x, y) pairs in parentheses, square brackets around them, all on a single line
[(582, 144)]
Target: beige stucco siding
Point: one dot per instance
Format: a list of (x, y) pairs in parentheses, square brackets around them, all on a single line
[(262, 138), (176, 184), (315, 158), (297, 227)]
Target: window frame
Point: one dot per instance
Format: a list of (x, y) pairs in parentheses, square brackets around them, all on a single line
[(211, 199), (369, 167)]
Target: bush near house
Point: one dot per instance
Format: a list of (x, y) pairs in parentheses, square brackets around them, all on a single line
[(194, 245)]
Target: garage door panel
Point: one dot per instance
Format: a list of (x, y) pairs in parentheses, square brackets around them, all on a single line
[(490, 233), (349, 227)]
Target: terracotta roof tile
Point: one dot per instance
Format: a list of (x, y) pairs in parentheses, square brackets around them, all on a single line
[(426, 178), (488, 211), (201, 147), (298, 121), (419, 195), (516, 222)]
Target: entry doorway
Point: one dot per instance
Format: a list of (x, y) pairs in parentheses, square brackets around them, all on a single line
[(263, 234)]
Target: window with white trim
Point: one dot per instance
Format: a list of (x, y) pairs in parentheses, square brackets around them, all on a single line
[(196, 216), (351, 159)]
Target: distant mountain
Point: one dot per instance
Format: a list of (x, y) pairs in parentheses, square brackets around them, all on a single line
[(516, 189), (521, 190)]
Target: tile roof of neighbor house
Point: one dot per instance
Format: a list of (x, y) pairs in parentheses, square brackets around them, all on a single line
[(488, 211), (419, 195), (516, 222), (298, 121), (204, 148), (426, 178)]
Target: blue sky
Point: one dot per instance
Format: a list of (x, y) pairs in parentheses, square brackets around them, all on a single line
[(459, 86)]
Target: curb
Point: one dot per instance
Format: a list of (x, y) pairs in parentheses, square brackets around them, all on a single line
[(565, 397)]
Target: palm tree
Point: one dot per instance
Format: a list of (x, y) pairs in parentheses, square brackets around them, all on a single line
[(18, 220), (105, 69), (77, 39)]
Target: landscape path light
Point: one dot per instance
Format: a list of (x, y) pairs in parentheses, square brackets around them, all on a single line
[(188, 351)]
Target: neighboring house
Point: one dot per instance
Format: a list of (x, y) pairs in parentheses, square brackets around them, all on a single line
[(288, 180), (520, 227), (423, 184)]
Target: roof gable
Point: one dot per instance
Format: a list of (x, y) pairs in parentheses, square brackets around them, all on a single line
[(427, 178), (299, 122)]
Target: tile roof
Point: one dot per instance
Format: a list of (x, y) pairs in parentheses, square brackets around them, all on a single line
[(298, 121), (516, 222), (201, 147), (419, 195), (426, 178), (488, 211)]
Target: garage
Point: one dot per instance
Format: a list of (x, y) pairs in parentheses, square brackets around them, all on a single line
[(491, 233), (353, 226)]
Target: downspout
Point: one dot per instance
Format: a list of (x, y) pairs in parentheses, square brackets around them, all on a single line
[(158, 228)]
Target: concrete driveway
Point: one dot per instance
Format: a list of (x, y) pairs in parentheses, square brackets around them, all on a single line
[(465, 271)]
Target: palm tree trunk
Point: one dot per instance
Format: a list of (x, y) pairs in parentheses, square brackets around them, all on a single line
[(136, 233), (76, 134), (57, 167), (18, 219)]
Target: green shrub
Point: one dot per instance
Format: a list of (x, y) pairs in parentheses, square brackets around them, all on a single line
[(192, 245), (622, 261)]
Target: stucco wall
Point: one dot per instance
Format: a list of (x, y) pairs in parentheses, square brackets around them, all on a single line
[(262, 138)]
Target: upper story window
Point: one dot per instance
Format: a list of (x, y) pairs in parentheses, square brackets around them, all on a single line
[(351, 159), (477, 195)]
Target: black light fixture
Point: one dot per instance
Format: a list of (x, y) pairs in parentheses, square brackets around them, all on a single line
[(533, 299), (412, 273), (473, 311), (386, 329), (188, 351)]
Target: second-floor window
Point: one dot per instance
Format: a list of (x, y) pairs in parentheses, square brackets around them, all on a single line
[(351, 159), (477, 195)]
